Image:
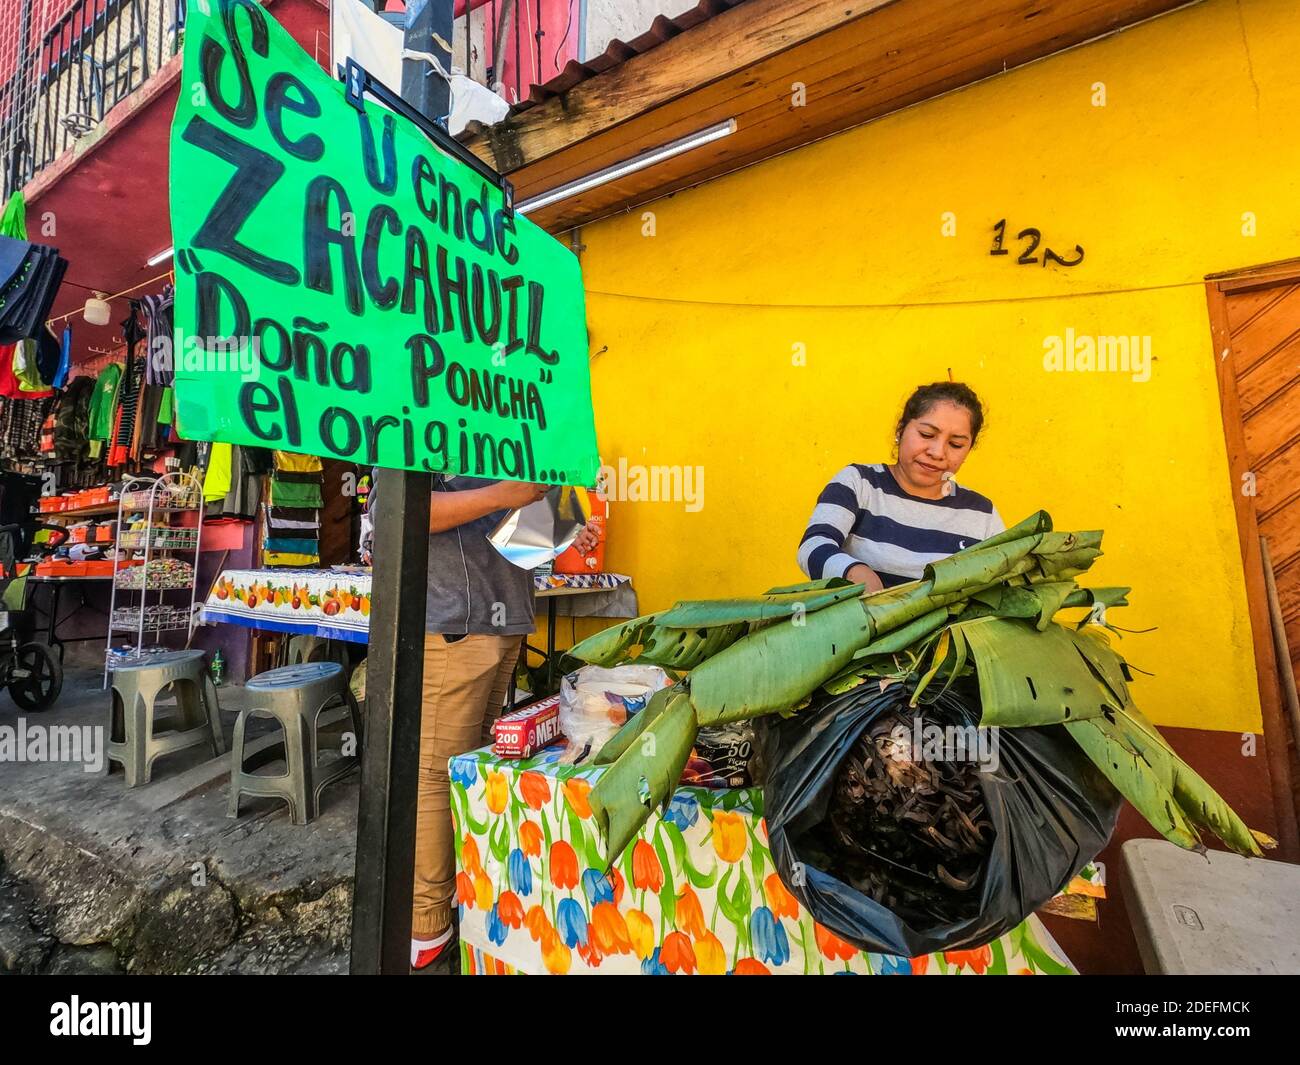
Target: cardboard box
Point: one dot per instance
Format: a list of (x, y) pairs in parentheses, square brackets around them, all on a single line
[(523, 732)]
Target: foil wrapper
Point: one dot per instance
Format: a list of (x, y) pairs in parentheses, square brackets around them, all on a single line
[(541, 531)]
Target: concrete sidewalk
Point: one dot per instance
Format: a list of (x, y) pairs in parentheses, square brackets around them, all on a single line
[(96, 878)]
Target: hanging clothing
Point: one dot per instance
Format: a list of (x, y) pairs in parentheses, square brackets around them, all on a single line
[(279, 558), (291, 462), (73, 416), (9, 383), (49, 353), (13, 223), (145, 437), (47, 434), (30, 276), (291, 477), (65, 358), (287, 494), (244, 495), (293, 518), (160, 369), (27, 369), (288, 545), (21, 426), (115, 455), (216, 482), (103, 402), (124, 438)]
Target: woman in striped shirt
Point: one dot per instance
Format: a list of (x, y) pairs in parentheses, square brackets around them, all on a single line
[(879, 525)]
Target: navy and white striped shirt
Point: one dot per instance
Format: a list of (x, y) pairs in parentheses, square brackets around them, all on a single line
[(865, 516)]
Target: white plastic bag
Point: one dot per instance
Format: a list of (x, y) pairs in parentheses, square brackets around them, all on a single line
[(595, 703)]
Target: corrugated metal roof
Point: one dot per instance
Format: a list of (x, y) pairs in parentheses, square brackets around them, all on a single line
[(661, 30)]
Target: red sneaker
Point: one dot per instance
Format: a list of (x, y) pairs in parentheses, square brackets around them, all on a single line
[(424, 952)]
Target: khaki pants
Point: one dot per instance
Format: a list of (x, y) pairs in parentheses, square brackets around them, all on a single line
[(465, 684)]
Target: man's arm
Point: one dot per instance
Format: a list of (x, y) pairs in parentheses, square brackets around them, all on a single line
[(449, 510)]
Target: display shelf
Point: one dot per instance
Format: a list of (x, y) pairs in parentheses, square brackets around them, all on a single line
[(158, 539), (139, 590), (98, 510), (157, 619)]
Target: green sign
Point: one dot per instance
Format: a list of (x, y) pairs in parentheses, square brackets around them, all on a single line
[(345, 289)]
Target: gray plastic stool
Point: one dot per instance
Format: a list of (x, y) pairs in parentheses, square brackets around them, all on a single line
[(315, 649), (296, 697), (132, 712)]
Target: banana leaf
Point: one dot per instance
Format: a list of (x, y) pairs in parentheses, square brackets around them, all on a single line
[(1092, 596), (769, 607), (981, 566), (681, 649), (906, 636), (614, 645), (1104, 661), (643, 777), (1133, 778), (1155, 768), (1038, 522), (1027, 677), (812, 586), (779, 666)]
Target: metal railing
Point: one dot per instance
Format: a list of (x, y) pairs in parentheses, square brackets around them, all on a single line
[(64, 64)]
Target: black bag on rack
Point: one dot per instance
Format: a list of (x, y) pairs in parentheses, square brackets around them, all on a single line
[(30, 275), (1051, 809)]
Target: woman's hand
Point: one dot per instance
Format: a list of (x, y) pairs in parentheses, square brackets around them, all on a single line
[(865, 575)]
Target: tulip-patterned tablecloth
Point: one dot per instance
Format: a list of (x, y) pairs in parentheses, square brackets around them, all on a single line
[(697, 892)]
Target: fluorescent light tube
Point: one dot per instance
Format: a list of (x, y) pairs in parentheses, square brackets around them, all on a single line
[(618, 170), (162, 256)]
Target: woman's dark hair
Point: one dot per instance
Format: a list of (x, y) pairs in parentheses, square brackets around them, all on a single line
[(919, 403)]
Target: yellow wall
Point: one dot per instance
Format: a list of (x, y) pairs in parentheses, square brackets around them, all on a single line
[(839, 247)]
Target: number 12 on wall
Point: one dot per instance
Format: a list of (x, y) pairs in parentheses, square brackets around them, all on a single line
[(1032, 238)]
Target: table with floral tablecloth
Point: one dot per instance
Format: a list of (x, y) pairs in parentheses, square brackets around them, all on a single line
[(697, 892), (335, 603)]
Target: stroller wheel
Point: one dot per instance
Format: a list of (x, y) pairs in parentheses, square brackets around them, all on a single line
[(40, 677)]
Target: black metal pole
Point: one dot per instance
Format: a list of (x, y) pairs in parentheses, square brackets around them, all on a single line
[(385, 863)]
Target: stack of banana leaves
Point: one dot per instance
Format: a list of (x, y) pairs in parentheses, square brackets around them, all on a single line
[(988, 609)]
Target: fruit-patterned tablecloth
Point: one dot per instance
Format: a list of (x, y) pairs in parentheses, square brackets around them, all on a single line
[(697, 892), (333, 603), (315, 602)]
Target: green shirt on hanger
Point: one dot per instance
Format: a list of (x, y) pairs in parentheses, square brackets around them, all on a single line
[(103, 402)]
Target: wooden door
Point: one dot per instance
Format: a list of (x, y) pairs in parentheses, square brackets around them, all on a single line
[(1255, 316)]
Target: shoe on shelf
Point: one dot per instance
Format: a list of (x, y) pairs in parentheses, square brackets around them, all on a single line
[(424, 952)]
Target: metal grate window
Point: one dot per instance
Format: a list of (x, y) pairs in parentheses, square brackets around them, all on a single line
[(64, 64)]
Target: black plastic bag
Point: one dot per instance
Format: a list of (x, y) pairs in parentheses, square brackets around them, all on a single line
[(1051, 808)]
